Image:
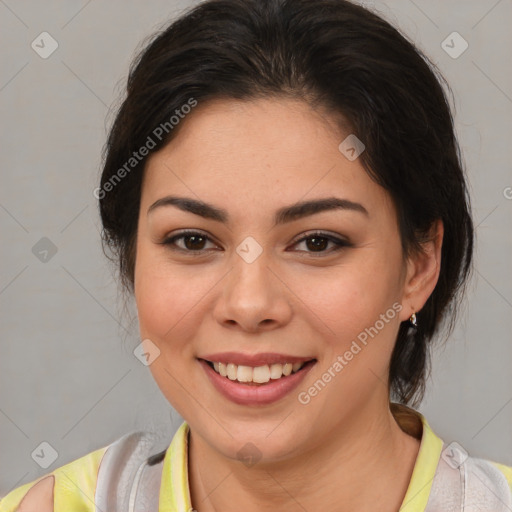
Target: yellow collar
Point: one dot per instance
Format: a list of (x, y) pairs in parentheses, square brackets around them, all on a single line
[(417, 494), (174, 489), (175, 492)]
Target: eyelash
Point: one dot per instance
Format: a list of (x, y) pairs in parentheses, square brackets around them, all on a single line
[(339, 243)]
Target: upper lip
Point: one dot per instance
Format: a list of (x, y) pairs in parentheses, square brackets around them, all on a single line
[(254, 359)]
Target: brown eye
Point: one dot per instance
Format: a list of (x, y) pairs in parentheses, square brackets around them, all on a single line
[(194, 242), (189, 241), (317, 243)]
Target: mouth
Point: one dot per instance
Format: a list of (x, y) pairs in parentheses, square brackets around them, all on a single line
[(257, 375), (273, 379)]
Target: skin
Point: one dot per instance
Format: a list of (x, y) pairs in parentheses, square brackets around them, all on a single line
[(40, 497), (343, 450)]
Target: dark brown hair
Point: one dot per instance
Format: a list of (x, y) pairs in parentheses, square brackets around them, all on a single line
[(330, 53)]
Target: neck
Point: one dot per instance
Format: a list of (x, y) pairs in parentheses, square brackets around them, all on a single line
[(354, 467)]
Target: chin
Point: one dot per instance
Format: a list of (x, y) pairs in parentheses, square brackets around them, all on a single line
[(256, 441)]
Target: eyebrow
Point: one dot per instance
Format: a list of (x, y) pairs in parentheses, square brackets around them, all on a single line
[(282, 216)]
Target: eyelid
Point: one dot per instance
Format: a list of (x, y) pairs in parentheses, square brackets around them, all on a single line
[(321, 234)]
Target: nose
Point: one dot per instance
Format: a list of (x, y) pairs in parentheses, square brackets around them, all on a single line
[(253, 298)]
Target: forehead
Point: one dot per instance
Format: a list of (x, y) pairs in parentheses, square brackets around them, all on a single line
[(265, 151)]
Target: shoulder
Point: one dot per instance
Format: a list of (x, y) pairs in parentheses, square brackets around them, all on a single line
[(488, 484), (39, 497), (445, 476), (463, 479), (90, 480), (505, 470), (70, 486)]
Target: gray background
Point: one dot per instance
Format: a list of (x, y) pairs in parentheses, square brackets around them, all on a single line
[(67, 372)]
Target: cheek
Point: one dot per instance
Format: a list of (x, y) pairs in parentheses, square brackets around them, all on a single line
[(361, 308), (167, 303), (157, 311), (158, 303), (350, 298), (165, 295)]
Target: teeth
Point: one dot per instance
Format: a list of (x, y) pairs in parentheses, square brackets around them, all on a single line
[(232, 371), (244, 374), (259, 374), (276, 371)]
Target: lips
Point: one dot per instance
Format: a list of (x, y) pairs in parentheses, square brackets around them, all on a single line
[(263, 379)]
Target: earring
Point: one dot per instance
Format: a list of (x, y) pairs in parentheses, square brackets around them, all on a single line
[(413, 321)]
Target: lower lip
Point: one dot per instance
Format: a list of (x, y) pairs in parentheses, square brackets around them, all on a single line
[(247, 394)]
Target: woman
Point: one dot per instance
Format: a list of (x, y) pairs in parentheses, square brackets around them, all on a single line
[(283, 193)]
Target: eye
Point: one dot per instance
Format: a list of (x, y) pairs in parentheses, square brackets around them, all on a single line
[(318, 242), (189, 241)]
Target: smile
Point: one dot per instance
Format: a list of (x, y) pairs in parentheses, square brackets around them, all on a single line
[(263, 383), (255, 375)]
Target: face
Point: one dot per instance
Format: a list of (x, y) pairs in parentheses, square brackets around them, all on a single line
[(251, 280)]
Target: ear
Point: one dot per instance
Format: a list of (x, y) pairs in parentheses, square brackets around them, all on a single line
[(422, 272)]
